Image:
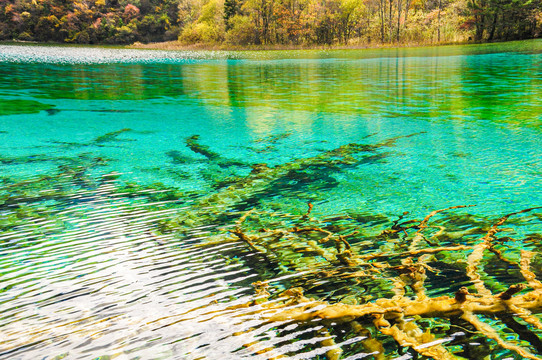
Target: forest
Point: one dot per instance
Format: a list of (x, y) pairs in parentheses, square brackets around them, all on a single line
[(270, 22)]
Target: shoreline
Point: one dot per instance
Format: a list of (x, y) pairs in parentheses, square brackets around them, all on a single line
[(178, 46)]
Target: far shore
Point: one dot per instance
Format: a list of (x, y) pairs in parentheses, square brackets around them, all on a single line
[(177, 45)]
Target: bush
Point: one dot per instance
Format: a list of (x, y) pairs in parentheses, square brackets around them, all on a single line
[(200, 33), (25, 36), (153, 26), (124, 35), (130, 12), (46, 28), (242, 31), (172, 34), (82, 37), (5, 33)]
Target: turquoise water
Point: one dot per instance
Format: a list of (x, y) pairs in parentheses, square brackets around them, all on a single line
[(87, 268)]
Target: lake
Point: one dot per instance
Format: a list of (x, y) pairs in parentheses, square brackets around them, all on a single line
[(228, 205)]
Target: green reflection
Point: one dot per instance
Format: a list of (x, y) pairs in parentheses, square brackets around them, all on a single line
[(16, 107), (495, 82)]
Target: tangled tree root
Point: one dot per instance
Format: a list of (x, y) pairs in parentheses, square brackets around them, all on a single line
[(396, 316)]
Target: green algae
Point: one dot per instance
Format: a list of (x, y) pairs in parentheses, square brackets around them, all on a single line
[(20, 107)]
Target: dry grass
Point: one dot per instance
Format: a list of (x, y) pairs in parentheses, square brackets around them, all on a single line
[(177, 45)]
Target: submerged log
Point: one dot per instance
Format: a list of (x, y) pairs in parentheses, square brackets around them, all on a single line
[(257, 181)]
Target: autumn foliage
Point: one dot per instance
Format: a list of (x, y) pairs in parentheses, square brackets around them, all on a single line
[(268, 22)]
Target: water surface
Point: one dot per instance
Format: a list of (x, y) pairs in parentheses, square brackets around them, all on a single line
[(105, 203)]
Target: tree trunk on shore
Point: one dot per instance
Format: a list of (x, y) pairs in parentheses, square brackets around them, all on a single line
[(438, 29), (399, 10), (391, 20), (382, 11)]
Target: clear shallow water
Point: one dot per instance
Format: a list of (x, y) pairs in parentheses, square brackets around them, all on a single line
[(95, 265)]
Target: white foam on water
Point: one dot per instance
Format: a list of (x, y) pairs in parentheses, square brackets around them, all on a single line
[(98, 55)]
